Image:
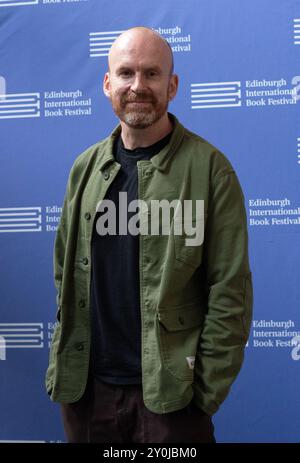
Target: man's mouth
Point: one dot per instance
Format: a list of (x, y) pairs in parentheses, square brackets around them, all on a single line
[(139, 102)]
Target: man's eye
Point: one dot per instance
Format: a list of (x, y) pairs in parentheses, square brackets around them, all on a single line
[(153, 74), (125, 73)]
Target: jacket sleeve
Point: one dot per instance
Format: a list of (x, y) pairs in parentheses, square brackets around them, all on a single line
[(58, 264), (59, 251), (229, 294)]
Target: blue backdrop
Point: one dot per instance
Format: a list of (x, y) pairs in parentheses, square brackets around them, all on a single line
[(239, 89)]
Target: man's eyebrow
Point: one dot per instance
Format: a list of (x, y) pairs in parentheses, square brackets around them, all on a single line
[(154, 68), (125, 67), (122, 67)]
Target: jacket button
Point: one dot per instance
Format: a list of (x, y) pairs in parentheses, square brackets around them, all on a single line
[(181, 320), (85, 261), (79, 346), (87, 216), (106, 175), (81, 303)]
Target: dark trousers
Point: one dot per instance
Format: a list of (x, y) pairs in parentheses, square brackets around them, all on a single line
[(116, 414)]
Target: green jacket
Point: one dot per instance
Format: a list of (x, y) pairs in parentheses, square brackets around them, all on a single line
[(196, 301)]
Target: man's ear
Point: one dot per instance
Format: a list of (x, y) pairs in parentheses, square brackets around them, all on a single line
[(173, 86), (106, 85)]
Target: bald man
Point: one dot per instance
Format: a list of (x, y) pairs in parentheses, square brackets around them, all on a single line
[(152, 324)]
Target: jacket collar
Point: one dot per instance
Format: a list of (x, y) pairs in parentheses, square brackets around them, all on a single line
[(159, 160)]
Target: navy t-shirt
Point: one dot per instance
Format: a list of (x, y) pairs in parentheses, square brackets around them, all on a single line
[(115, 288)]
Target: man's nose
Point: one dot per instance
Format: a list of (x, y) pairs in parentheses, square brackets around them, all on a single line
[(138, 83)]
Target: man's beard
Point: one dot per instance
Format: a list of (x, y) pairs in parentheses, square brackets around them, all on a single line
[(139, 117)]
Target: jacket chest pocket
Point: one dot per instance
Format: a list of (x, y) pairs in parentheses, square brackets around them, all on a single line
[(179, 331), (188, 240)]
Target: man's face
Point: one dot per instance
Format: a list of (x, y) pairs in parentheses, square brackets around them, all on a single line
[(139, 83)]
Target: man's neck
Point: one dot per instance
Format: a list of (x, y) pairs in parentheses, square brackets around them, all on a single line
[(141, 138)]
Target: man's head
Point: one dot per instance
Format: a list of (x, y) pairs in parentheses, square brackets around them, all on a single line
[(140, 82)]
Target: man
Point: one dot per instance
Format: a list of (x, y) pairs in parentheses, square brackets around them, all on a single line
[(151, 328)]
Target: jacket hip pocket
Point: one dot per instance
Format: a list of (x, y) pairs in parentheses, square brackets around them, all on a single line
[(179, 331)]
